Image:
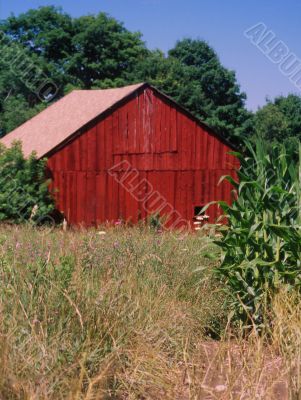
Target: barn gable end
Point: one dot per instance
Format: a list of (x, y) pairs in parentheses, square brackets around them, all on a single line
[(141, 155)]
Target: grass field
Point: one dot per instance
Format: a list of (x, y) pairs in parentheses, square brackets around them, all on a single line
[(132, 314)]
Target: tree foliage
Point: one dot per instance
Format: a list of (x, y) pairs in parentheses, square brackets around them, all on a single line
[(16, 111), (193, 75), (96, 51), (23, 189), (280, 120)]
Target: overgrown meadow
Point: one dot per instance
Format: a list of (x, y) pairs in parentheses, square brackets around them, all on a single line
[(132, 313)]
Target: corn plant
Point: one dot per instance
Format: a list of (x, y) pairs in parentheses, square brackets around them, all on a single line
[(262, 240)]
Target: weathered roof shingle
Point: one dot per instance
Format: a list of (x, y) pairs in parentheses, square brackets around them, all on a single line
[(65, 117)]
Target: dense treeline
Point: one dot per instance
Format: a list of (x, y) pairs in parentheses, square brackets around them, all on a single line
[(96, 51)]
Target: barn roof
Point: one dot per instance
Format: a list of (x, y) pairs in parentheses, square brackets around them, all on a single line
[(64, 118)]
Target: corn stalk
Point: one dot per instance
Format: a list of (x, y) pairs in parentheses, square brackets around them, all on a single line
[(262, 242)]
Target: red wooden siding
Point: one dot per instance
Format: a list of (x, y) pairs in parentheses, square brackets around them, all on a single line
[(169, 152)]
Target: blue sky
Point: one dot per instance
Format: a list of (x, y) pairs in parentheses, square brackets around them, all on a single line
[(220, 22)]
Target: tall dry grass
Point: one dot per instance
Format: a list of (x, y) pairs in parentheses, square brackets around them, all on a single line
[(131, 314)]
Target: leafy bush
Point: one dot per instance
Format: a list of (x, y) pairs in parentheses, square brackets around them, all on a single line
[(23, 188), (262, 242)]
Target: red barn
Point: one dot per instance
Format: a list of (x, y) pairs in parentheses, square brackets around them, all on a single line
[(128, 153)]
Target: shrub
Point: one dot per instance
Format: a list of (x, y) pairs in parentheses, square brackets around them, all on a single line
[(23, 188), (262, 242)]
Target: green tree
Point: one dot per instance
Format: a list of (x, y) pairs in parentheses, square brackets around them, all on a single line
[(85, 52), (80, 51), (193, 75), (280, 120), (15, 111), (23, 187), (105, 51), (96, 51), (271, 123)]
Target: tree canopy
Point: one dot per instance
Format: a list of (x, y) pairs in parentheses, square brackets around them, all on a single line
[(279, 120), (24, 192), (193, 75), (97, 51)]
